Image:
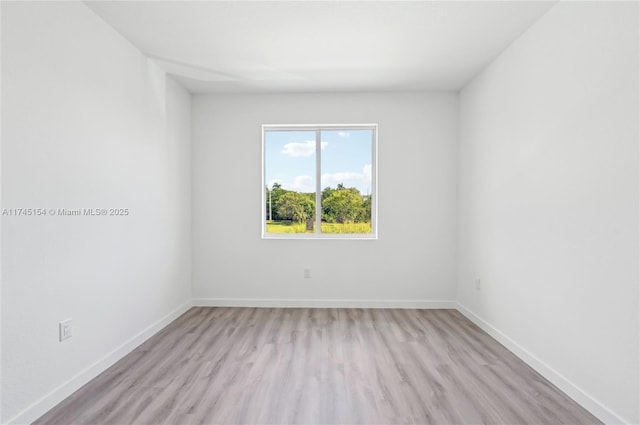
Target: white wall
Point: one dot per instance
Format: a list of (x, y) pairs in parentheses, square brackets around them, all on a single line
[(548, 201), (0, 219), (87, 122), (412, 261)]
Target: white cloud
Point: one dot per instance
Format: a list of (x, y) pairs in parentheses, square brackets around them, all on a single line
[(302, 184), (298, 184), (305, 184), (348, 178), (344, 134), (298, 149), (332, 179), (367, 172)]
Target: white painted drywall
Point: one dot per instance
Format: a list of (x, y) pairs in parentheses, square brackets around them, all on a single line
[(414, 257), (0, 220), (87, 122), (548, 198)]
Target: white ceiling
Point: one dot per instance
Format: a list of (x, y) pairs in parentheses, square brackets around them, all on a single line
[(295, 46)]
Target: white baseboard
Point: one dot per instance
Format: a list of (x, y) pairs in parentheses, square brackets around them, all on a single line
[(46, 403), (327, 303), (553, 376)]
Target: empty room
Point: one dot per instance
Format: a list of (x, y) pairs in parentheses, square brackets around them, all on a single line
[(320, 212)]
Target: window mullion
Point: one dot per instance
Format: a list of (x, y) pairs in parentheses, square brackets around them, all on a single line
[(318, 183)]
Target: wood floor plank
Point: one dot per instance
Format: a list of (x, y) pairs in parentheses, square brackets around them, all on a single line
[(319, 366)]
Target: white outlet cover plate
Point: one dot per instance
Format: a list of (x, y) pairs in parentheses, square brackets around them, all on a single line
[(65, 329)]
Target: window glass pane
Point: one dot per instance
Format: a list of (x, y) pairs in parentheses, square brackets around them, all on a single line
[(290, 177), (346, 182)]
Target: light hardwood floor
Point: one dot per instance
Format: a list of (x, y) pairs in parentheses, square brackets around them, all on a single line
[(319, 366)]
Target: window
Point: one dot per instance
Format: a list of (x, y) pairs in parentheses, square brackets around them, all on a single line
[(319, 181)]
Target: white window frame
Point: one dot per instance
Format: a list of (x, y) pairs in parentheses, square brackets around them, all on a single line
[(317, 128)]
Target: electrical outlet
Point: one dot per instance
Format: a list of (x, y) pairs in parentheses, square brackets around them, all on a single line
[(478, 285), (66, 330), (307, 273)]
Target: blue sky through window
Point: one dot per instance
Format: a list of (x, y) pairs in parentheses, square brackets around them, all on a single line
[(346, 158)]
